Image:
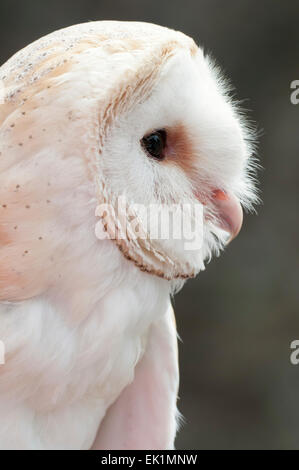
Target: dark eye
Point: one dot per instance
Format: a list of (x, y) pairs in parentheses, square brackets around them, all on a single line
[(155, 143)]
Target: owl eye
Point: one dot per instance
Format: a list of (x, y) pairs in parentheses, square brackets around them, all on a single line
[(155, 143)]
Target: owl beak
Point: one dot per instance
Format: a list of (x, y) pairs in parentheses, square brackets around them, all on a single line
[(229, 212)]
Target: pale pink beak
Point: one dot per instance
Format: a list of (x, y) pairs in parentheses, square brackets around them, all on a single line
[(229, 212)]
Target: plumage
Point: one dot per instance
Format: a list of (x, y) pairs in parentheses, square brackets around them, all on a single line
[(87, 323)]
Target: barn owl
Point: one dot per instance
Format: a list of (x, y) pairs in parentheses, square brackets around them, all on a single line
[(91, 113)]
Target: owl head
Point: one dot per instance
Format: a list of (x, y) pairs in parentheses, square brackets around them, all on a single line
[(122, 116)]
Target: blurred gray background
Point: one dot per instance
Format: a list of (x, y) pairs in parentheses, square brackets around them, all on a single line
[(237, 319)]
